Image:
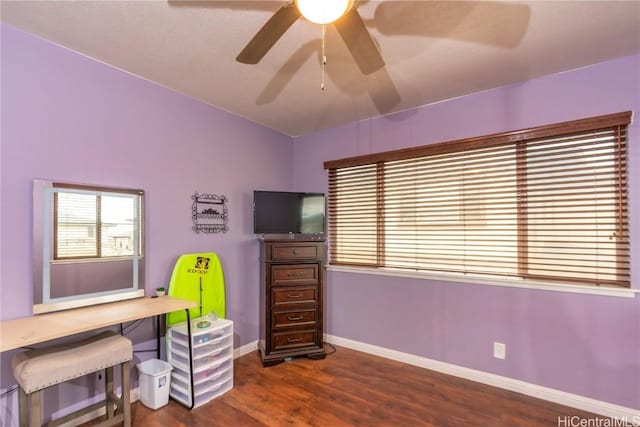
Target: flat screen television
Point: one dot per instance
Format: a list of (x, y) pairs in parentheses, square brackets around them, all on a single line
[(284, 212)]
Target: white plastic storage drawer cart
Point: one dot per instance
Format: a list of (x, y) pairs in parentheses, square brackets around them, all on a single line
[(207, 372)]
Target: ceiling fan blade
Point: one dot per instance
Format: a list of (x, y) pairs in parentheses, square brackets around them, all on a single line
[(269, 34), (359, 41)]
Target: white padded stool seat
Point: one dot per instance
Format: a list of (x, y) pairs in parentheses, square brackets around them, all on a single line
[(35, 370), (42, 368)]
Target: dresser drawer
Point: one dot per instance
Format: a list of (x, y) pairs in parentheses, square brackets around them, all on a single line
[(285, 319), (288, 340), (285, 297), (293, 252), (295, 274)]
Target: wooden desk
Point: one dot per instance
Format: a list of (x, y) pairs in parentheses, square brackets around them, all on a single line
[(36, 329)]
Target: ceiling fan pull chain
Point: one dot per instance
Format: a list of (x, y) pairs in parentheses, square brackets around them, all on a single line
[(324, 57)]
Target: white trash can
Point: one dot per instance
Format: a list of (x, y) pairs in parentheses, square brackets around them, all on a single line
[(154, 381)]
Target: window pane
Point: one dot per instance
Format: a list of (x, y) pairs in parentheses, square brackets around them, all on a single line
[(353, 211), (118, 225), (452, 212), (573, 208), (96, 224), (76, 225)]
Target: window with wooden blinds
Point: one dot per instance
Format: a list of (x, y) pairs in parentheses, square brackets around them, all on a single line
[(548, 203)]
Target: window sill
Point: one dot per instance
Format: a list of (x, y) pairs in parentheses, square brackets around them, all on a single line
[(95, 259), (494, 281)]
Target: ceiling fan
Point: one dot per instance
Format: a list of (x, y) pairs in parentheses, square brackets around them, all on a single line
[(342, 13)]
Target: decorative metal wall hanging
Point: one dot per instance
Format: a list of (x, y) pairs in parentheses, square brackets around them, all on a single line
[(209, 213)]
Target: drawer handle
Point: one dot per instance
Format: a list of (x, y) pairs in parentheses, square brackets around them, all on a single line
[(293, 340), (295, 252), (292, 318), (295, 273), (294, 295)]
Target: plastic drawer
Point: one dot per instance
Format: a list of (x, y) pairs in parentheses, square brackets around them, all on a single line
[(210, 374), (202, 362), (213, 372), (207, 337), (201, 370), (207, 387), (178, 338), (219, 328), (213, 390), (203, 386), (200, 349), (180, 394)]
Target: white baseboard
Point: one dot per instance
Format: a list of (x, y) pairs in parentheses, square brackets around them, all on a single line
[(563, 398), (245, 349)]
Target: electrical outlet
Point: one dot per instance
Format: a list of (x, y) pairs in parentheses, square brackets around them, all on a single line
[(499, 350)]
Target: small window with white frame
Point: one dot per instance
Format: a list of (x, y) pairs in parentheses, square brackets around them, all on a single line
[(88, 245)]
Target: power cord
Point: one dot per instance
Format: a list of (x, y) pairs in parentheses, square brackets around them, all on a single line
[(332, 347), (130, 327), (11, 390)]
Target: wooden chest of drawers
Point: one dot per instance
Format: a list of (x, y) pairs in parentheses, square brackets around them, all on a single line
[(291, 295)]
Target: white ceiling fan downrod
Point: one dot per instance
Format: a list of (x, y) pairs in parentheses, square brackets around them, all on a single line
[(324, 56)]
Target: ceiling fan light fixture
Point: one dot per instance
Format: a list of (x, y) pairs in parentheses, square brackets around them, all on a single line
[(323, 11)]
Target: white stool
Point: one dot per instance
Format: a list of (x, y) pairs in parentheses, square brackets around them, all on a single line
[(35, 370)]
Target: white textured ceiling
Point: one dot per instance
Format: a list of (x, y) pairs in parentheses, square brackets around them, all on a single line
[(433, 50)]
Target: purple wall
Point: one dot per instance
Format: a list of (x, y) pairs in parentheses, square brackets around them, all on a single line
[(583, 344), (70, 118)]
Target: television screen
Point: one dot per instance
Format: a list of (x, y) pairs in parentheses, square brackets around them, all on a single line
[(282, 212)]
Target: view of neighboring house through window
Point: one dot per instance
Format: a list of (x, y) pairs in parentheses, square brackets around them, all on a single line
[(548, 203), (90, 224)]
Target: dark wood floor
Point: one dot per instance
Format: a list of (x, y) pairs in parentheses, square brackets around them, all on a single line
[(351, 388)]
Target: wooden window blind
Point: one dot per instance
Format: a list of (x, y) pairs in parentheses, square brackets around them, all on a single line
[(92, 222), (548, 203)]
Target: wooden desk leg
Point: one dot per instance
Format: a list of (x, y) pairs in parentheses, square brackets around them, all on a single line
[(23, 407), (125, 370), (35, 420), (109, 390)]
